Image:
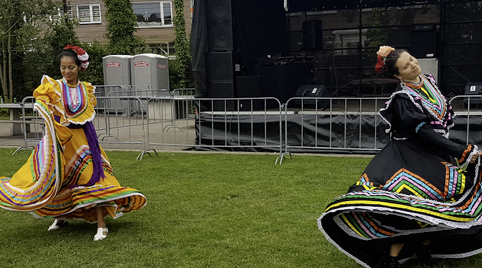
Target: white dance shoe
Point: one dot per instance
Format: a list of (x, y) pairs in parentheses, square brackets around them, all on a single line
[(101, 234), (57, 225)]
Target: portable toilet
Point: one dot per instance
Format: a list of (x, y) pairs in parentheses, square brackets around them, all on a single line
[(151, 75), (117, 69), (150, 72), (117, 78)]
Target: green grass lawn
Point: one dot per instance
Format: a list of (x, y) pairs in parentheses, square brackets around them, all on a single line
[(203, 210)]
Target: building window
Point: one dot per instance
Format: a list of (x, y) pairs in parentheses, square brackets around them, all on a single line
[(60, 13), (69, 12), (153, 14), (88, 14)]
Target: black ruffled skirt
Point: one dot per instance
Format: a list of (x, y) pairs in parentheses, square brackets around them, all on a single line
[(408, 193)]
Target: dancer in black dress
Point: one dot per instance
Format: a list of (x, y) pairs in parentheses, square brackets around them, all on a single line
[(421, 194)]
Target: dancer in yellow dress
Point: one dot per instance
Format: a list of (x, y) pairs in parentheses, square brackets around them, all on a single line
[(68, 175)]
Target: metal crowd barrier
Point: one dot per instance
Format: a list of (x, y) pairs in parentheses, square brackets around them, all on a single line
[(202, 123), (354, 125), (161, 119), (468, 119), (183, 106), (33, 126), (104, 90), (174, 105), (143, 95), (117, 127), (333, 125), (132, 103), (122, 126)]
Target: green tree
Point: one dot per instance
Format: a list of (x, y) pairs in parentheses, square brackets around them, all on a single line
[(121, 27), (377, 36), (22, 23), (62, 34), (405, 17), (95, 72), (182, 66)]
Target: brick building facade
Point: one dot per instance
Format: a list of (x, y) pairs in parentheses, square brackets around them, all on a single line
[(155, 20)]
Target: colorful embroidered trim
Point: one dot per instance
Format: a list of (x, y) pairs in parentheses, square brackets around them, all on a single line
[(466, 154), (419, 126), (75, 99), (432, 99)]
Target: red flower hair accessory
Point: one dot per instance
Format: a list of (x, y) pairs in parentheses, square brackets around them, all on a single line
[(382, 56), (81, 55)]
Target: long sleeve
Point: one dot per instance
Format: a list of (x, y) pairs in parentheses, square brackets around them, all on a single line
[(462, 152), (414, 122), (47, 92)]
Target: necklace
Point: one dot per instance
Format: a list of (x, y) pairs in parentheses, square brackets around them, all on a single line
[(415, 85)]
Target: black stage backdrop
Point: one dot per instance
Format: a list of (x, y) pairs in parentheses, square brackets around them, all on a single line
[(237, 33), (253, 32), (312, 5), (199, 47)]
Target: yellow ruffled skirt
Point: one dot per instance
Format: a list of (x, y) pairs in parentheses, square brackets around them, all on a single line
[(50, 183)]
